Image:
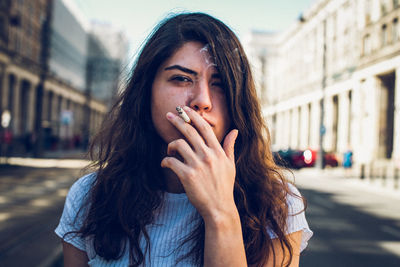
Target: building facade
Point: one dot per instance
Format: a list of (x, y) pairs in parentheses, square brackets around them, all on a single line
[(108, 50), (341, 60), (64, 101), (69, 47)]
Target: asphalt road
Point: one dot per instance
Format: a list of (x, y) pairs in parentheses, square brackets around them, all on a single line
[(31, 202), (354, 224)]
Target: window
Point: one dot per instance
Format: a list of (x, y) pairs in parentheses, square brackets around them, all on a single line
[(29, 29), (395, 30), (383, 9), (18, 43), (367, 45), (3, 29), (367, 11), (28, 49), (334, 26), (384, 35)]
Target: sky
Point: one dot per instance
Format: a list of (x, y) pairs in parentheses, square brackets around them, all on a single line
[(137, 17)]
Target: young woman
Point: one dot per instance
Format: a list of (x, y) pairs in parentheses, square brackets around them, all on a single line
[(166, 192)]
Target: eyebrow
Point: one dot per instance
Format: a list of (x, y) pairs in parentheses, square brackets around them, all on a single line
[(189, 71), (178, 67)]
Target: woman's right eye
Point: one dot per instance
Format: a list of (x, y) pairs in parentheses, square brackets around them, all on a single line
[(181, 79)]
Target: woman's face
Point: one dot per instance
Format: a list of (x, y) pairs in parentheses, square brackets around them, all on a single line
[(189, 78)]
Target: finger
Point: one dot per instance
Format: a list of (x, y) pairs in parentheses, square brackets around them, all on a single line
[(181, 147), (192, 136), (203, 128), (177, 166), (229, 144)]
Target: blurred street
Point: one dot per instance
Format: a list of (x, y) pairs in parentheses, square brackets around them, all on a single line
[(354, 223), (31, 202)]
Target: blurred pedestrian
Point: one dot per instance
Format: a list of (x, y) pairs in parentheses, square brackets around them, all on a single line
[(28, 141), (166, 192), (77, 141), (348, 159), (347, 162), (8, 136)]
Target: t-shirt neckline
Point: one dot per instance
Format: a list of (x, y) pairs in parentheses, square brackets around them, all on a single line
[(175, 196)]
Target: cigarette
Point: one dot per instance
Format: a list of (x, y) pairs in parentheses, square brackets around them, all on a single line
[(183, 114)]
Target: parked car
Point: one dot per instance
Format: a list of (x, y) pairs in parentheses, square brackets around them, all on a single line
[(290, 158), (297, 159)]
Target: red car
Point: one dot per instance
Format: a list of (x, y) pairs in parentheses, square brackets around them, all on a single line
[(310, 157), (297, 159)]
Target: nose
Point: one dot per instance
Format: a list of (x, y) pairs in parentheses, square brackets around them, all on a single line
[(200, 99)]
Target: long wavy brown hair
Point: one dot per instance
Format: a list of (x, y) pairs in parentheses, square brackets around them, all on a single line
[(129, 184)]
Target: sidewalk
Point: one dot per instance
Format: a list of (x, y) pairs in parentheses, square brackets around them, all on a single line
[(66, 154), (35, 232), (354, 222), (377, 185), (69, 159), (31, 202)]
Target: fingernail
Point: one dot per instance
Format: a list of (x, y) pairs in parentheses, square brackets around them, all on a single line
[(170, 115), (186, 108), (162, 164)]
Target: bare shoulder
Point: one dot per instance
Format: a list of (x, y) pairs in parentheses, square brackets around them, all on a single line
[(282, 254), (74, 257)]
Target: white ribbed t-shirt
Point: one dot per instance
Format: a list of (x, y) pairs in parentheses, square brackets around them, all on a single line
[(174, 221)]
